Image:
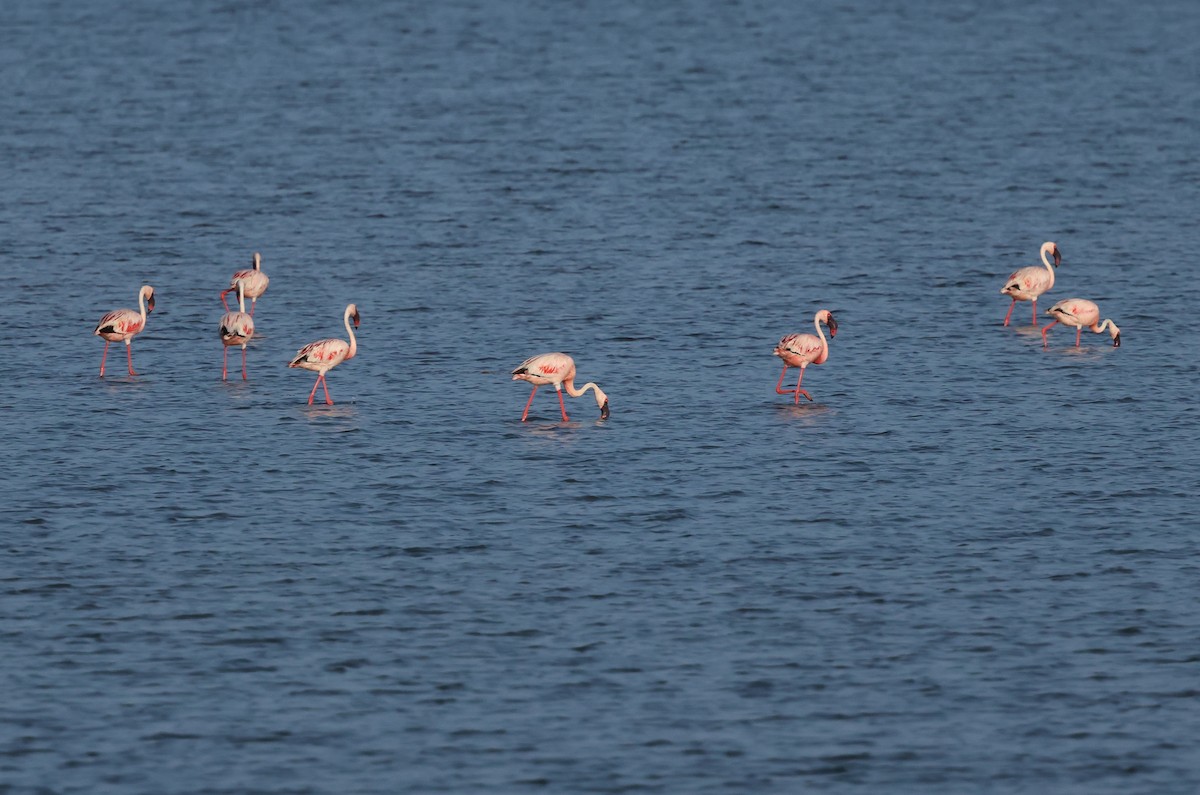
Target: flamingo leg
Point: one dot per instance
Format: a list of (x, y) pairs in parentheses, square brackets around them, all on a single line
[(529, 403), (1044, 330), (129, 355), (561, 405), (102, 358), (325, 386), (223, 302), (800, 391), (253, 303), (1010, 309), (243, 362), (224, 362), (778, 390), (1035, 311), (1078, 331), (314, 390)]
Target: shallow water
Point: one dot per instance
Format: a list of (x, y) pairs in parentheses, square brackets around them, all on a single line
[(967, 565)]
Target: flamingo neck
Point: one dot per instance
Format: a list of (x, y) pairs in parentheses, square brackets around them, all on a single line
[(241, 297), (573, 392), (1048, 265), (821, 334), (142, 305), (1108, 326), (350, 331)]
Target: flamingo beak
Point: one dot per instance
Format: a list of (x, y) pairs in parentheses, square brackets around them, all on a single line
[(150, 303), (1057, 257), (1117, 340), (356, 319), (604, 411), (832, 326)]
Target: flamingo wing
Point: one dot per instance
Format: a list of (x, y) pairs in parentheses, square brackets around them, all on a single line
[(322, 353), (119, 321)]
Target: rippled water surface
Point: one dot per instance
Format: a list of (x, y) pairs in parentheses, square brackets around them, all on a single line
[(967, 566)]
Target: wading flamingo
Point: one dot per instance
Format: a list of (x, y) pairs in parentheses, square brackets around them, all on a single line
[(1026, 284), (323, 355), (1080, 312), (801, 350), (255, 282), (556, 369), (120, 325), (236, 329)]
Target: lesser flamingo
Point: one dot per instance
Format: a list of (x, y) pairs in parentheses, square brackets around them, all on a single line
[(1080, 312), (120, 325), (255, 282), (557, 370), (236, 329), (1026, 284), (323, 355), (801, 350)]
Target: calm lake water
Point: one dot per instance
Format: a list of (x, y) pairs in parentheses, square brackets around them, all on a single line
[(968, 566)]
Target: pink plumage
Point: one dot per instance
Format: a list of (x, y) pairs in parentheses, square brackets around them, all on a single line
[(557, 370), (801, 350), (121, 325), (323, 355), (237, 328), (253, 280), (1026, 284), (1081, 313)]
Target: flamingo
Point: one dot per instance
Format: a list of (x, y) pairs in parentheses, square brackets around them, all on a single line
[(236, 329), (1026, 284), (1080, 312), (801, 350), (556, 369), (323, 355), (255, 283), (120, 325)]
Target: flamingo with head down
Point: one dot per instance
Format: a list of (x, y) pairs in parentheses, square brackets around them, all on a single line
[(323, 355), (1026, 284), (557, 370), (801, 350), (120, 325), (1080, 312)]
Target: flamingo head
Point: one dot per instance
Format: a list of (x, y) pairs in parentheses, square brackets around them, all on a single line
[(1052, 248), (601, 401), (1117, 340), (354, 315), (148, 291), (828, 320)]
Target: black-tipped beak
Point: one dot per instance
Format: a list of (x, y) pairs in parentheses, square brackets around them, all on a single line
[(1117, 340), (604, 411), (832, 326), (356, 319), (1057, 257), (150, 304)]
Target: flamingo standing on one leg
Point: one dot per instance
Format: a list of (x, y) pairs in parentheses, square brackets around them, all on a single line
[(1026, 284), (323, 355), (1080, 312), (801, 350), (255, 283), (236, 329), (556, 369), (120, 325)]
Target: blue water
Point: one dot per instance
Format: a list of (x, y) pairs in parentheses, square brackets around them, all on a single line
[(967, 566)]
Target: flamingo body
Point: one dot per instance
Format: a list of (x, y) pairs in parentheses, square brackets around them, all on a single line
[(121, 325), (237, 328), (253, 280), (323, 355), (557, 370), (801, 350), (1081, 313), (1026, 284)]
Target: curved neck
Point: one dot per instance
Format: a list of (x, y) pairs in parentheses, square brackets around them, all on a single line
[(1049, 267), (241, 297), (350, 331), (142, 304), (573, 392), (1108, 326), (821, 334)]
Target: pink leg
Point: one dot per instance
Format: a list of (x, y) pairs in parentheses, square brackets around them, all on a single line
[(1010, 309), (102, 358), (1035, 311), (800, 391), (529, 403), (253, 303), (223, 302), (1047, 328), (325, 386), (129, 355), (243, 362), (1078, 331), (224, 362), (562, 406), (314, 390), (779, 391)]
